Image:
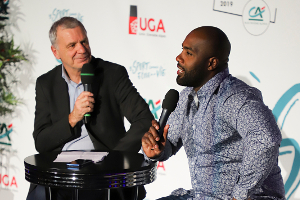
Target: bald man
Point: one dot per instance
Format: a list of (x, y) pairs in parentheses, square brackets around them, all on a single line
[(230, 137)]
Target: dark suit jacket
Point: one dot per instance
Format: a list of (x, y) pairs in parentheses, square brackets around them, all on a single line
[(115, 97)]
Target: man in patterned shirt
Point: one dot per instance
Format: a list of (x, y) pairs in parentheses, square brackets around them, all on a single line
[(229, 135)]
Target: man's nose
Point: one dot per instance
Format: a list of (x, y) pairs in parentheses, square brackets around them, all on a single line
[(81, 48), (179, 58)]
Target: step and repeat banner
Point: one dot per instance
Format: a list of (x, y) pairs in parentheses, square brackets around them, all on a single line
[(146, 36)]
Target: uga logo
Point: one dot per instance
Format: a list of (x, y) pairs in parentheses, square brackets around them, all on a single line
[(143, 24), (150, 24), (6, 181)]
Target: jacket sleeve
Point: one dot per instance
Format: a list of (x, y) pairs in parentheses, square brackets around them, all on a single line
[(134, 108), (50, 132)]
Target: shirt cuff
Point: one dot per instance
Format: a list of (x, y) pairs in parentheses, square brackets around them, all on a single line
[(164, 154)]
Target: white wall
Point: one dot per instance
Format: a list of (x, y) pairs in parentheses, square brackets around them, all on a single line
[(265, 55)]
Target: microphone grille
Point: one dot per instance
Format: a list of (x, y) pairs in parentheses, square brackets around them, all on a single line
[(87, 73), (171, 99)]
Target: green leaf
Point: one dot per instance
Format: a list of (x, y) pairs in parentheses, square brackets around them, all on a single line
[(11, 58)]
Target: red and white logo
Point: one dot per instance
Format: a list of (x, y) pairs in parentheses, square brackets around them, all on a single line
[(7, 181), (133, 20), (149, 25)]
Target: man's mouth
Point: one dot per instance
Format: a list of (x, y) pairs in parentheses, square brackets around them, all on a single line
[(180, 69), (82, 59)]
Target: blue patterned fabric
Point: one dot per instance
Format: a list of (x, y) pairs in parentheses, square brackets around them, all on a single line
[(231, 141), (174, 197)]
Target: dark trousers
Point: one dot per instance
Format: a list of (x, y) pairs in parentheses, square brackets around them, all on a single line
[(39, 193)]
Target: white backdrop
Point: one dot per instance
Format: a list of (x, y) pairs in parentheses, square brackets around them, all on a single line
[(264, 37)]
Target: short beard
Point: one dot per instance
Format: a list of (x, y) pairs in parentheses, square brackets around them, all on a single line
[(190, 79)]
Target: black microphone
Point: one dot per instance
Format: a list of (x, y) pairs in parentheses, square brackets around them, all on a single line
[(169, 104), (87, 77)]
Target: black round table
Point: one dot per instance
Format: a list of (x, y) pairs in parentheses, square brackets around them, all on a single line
[(117, 170)]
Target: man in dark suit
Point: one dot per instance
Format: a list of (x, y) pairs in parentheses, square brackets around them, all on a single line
[(61, 104)]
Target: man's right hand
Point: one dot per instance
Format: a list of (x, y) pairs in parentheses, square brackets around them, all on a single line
[(151, 143), (84, 104)]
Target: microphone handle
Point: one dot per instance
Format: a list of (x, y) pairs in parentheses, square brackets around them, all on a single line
[(163, 121), (87, 87), (87, 116)]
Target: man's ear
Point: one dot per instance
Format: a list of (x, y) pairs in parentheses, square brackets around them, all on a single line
[(55, 52), (213, 63)]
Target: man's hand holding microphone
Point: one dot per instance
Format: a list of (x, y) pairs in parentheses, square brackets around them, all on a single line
[(84, 103), (154, 141)]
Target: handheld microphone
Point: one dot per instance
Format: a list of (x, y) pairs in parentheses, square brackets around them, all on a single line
[(87, 77), (169, 104)]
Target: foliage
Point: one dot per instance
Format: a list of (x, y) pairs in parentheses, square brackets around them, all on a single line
[(10, 58)]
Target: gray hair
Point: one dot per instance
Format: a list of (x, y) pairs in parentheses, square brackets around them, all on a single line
[(65, 23)]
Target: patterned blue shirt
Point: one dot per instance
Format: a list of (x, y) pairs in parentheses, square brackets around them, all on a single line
[(231, 141)]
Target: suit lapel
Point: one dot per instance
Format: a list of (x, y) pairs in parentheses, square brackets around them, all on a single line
[(98, 76), (62, 93)]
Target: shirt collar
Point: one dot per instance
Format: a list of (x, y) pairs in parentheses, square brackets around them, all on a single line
[(65, 76)]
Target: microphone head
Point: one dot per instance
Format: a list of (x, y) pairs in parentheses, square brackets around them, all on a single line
[(87, 73), (171, 99)]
